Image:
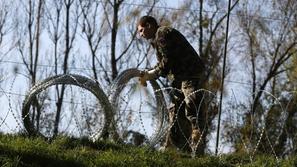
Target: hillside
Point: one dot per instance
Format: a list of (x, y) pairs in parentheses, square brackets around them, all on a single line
[(17, 150)]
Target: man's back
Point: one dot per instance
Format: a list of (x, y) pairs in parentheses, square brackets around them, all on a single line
[(183, 60)]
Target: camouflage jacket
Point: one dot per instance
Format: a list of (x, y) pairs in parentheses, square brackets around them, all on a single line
[(177, 59)]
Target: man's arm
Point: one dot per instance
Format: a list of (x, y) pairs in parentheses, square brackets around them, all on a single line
[(164, 55), (164, 51)]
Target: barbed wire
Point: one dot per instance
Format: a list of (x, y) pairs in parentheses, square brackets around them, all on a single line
[(251, 153)]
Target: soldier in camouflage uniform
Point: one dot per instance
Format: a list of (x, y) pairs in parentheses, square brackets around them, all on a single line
[(180, 63)]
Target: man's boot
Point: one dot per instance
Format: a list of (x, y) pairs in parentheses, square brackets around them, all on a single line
[(195, 137)]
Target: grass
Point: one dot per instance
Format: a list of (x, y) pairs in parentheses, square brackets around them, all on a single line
[(17, 150)]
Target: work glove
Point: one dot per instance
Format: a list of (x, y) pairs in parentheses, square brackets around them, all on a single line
[(145, 76)]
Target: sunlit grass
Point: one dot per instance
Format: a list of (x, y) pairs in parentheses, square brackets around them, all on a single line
[(16, 150)]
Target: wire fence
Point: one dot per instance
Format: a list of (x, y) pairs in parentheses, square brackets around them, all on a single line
[(80, 118)]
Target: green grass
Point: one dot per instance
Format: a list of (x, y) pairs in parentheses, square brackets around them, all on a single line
[(16, 150)]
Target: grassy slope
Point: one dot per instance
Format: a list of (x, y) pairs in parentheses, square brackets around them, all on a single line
[(24, 151)]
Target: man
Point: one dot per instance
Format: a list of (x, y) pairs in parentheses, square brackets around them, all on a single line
[(179, 62)]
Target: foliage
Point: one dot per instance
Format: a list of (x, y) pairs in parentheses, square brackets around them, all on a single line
[(268, 50)]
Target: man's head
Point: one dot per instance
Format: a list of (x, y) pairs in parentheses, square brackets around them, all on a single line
[(147, 27)]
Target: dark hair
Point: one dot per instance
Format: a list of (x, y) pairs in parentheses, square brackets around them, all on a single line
[(147, 19)]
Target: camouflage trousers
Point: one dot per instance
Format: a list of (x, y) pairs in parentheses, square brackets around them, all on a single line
[(190, 101), (185, 113)]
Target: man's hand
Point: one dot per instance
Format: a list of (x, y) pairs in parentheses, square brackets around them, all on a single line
[(145, 76)]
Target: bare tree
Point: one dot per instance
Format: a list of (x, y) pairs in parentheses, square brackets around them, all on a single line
[(3, 21), (93, 32), (54, 27), (34, 30), (30, 57), (114, 21), (69, 36)]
